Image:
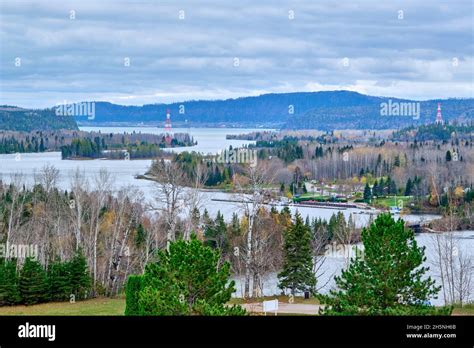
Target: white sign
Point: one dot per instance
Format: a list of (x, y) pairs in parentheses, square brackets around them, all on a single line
[(269, 306)]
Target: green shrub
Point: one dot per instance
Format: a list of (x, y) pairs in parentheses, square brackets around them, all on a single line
[(132, 290)]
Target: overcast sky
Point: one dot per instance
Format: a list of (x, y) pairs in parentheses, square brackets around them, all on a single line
[(416, 49)]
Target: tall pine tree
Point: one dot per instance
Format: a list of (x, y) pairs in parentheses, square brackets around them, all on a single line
[(388, 280), (297, 274)]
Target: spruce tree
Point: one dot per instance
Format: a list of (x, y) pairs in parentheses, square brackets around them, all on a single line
[(375, 188), (367, 193), (388, 280), (297, 274), (381, 188), (33, 285), (215, 233), (58, 279), (80, 281), (408, 187), (9, 290), (235, 229), (392, 186)]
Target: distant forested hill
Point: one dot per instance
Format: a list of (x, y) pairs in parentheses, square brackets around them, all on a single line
[(308, 110), (318, 110), (368, 115), (17, 119)]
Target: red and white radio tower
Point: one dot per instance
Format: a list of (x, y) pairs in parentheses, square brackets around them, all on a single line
[(168, 126), (168, 121), (439, 118)]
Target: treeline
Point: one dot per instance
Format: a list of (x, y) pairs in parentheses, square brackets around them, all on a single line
[(437, 132), (12, 145), (31, 282), (83, 148), (91, 144), (99, 147), (209, 171), (287, 149)]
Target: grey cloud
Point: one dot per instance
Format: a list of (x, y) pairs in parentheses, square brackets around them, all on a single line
[(174, 59)]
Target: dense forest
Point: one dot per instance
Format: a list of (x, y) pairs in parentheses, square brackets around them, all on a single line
[(437, 132), (368, 115), (17, 119)]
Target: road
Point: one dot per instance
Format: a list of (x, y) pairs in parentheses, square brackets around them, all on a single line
[(287, 308)]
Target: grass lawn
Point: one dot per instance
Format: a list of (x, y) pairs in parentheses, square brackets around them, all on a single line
[(109, 306), (387, 202), (96, 306), (116, 307), (467, 309)]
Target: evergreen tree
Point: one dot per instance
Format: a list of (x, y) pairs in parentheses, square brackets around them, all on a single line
[(381, 188), (58, 279), (33, 285), (375, 188), (132, 291), (388, 280), (408, 187), (9, 290), (448, 156), (80, 280), (367, 193), (235, 229), (195, 218), (216, 234), (140, 236), (297, 274), (396, 162), (189, 279), (392, 186), (206, 219)]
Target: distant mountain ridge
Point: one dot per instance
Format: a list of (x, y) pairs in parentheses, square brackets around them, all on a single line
[(320, 110), (327, 110)]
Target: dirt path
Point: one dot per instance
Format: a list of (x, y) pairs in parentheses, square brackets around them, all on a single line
[(288, 308)]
